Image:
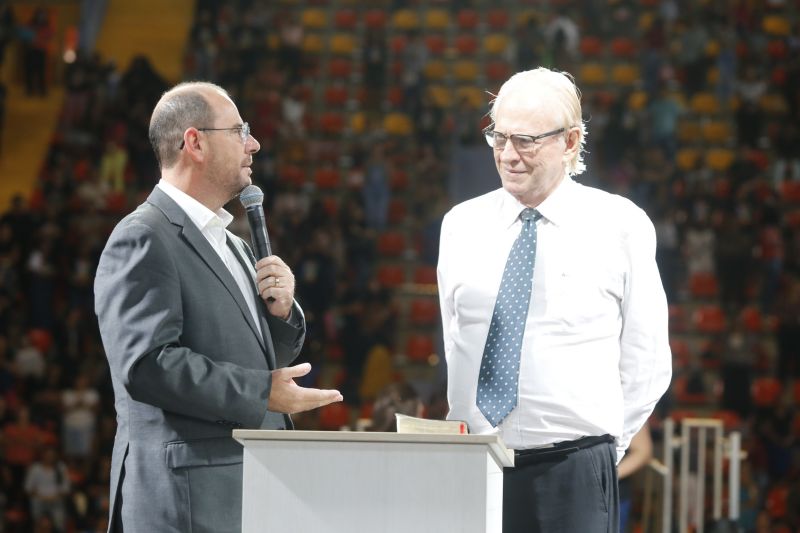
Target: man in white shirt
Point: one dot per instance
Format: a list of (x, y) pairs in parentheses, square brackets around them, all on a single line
[(198, 334), (589, 323)]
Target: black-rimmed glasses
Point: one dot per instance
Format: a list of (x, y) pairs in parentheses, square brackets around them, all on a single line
[(522, 143), (244, 132)]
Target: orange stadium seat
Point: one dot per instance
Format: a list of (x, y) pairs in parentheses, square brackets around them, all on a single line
[(624, 47), (591, 47), (346, 19), (425, 275), (465, 71), (437, 19), (336, 95), (391, 276), (419, 348), (314, 18), (436, 43), (720, 158), (593, 74), (704, 103), (776, 25), (405, 20), (312, 43), (765, 391), (327, 178), (467, 19), (709, 319), (497, 19), (703, 285), (495, 43), (342, 44), (424, 311), (750, 318), (687, 158), (466, 45), (391, 244), (498, 71), (397, 211), (625, 74), (375, 18), (340, 68)]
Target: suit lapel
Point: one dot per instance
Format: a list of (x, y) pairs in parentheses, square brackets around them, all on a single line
[(192, 236), (248, 261)]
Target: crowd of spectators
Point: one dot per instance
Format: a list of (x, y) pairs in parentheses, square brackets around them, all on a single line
[(738, 225)]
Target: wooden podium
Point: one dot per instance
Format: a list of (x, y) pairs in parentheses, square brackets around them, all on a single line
[(352, 482)]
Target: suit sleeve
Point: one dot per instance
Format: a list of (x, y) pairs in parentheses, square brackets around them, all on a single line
[(139, 308)]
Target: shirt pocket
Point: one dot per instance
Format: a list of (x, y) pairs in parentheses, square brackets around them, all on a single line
[(586, 293)]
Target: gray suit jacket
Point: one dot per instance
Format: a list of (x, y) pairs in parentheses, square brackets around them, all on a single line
[(187, 366)]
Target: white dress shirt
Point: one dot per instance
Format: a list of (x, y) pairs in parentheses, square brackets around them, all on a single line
[(595, 355), (212, 226)]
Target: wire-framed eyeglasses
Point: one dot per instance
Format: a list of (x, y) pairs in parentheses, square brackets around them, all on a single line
[(522, 143), (244, 132)]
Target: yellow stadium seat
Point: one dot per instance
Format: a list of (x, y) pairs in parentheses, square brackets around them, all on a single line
[(476, 97), (358, 122), (273, 41), (441, 96), (637, 100), (625, 74), (773, 103), (314, 19), (704, 103), (435, 70), (712, 48), (342, 44), (405, 20), (465, 70), (495, 43), (719, 158), (688, 132), (397, 124), (312, 43), (437, 19), (712, 76), (646, 20), (593, 74), (716, 132), (687, 158), (776, 25)]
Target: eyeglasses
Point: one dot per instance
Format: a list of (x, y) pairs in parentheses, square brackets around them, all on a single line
[(522, 143), (244, 132)]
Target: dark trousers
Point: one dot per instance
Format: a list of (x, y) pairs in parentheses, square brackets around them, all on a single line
[(570, 489)]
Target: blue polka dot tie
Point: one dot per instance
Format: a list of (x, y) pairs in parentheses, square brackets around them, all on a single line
[(499, 374)]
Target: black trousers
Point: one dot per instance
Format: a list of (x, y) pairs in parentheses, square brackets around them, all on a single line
[(568, 489)]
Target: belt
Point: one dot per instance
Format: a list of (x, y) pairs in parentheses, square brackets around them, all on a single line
[(558, 451)]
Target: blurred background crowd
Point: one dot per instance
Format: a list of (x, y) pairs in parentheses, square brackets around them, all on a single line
[(369, 116)]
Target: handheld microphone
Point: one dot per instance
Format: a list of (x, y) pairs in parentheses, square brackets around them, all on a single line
[(252, 198)]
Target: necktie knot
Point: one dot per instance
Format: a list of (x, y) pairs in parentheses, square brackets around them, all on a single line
[(530, 213)]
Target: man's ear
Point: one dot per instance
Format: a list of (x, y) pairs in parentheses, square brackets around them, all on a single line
[(194, 146), (573, 142)]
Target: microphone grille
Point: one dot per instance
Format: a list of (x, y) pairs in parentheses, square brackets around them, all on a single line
[(250, 196)]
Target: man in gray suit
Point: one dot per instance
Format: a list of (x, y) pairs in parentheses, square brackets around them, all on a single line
[(198, 334)]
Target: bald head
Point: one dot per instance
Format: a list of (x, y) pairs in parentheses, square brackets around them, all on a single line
[(185, 105)]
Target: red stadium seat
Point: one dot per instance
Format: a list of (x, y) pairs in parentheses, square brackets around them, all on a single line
[(497, 19), (327, 178), (397, 211), (331, 123), (467, 19), (391, 244), (419, 348), (292, 174), (336, 95), (340, 67), (398, 180), (624, 47), (498, 70), (703, 285), (591, 46), (425, 275), (730, 419), (466, 44), (750, 318), (346, 19), (765, 391), (334, 416), (436, 44), (776, 501), (424, 311), (391, 276), (41, 339), (709, 319), (375, 18), (680, 353)]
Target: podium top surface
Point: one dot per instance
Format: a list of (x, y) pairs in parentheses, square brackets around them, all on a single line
[(502, 455)]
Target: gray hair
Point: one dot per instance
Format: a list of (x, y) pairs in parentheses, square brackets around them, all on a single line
[(184, 106), (567, 97)]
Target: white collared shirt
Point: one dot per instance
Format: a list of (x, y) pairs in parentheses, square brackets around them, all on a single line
[(212, 226), (595, 353)]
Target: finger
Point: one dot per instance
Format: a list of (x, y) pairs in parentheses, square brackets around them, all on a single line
[(296, 371), (314, 398)]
